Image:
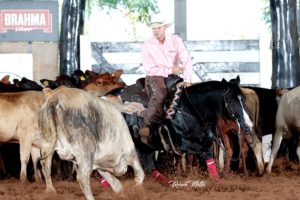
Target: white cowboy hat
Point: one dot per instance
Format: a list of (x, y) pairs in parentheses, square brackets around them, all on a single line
[(159, 20)]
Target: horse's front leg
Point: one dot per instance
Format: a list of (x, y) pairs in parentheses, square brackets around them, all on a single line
[(245, 148)]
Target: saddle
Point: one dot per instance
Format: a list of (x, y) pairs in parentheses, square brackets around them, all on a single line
[(137, 93)]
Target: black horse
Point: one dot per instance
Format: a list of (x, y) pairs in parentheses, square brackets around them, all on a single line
[(192, 116)]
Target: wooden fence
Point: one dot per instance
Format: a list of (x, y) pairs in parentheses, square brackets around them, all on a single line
[(212, 60)]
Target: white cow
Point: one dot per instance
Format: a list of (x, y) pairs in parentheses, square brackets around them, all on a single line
[(287, 122), (89, 131)]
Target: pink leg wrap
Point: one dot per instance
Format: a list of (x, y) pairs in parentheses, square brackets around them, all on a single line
[(160, 178), (212, 168), (104, 183)]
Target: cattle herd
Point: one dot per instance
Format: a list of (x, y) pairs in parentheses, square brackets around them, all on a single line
[(82, 118)]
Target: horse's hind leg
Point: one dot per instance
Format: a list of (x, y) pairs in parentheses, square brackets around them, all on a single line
[(191, 164)]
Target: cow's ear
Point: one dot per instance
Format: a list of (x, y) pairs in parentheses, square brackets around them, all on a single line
[(5, 79), (117, 74), (90, 74), (281, 91)]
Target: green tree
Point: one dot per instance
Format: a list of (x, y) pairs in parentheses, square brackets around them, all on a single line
[(72, 24), (266, 13), (137, 10)]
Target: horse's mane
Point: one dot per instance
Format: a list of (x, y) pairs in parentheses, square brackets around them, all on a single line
[(209, 86), (206, 98)]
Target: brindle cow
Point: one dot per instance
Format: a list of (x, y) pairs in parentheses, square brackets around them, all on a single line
[(19, 124), (89, 131), (287, 122)]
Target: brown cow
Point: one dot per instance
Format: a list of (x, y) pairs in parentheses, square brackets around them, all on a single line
[(19, 124), (106, 81), (89, 131), (252, 104)]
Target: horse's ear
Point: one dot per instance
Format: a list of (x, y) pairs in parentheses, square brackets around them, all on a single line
[(223, 80), (235, 80), (238, 80)]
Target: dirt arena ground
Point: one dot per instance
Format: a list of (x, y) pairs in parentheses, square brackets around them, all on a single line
[(283, 183)]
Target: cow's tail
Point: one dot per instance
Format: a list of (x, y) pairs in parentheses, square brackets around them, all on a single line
[(48, 124), (256, 113)]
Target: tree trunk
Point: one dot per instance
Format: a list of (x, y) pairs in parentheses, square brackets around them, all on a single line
[(72, 23), (298, 17), (285, 52)]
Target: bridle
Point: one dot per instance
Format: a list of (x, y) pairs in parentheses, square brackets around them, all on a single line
[(233, 117), (229, 110)]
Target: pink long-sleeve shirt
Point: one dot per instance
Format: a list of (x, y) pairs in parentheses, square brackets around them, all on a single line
[(159, 58)]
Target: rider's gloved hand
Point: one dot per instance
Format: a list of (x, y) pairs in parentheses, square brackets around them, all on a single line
[(176, 70)]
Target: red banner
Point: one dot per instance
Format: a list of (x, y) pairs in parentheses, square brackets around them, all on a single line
[(25, 20)]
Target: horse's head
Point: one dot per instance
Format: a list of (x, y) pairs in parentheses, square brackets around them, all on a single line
[(235, 108)]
